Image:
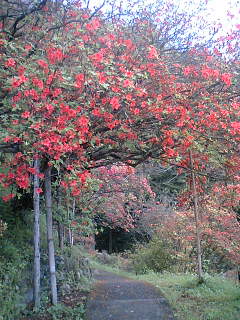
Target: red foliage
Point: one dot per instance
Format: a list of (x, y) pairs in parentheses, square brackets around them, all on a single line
[(88, 93)]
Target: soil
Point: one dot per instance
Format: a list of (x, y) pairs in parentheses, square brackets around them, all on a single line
[(119, 298)]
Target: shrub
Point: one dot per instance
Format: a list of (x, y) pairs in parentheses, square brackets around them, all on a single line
[(154, 256), (11, 276), (15, 253), (105, 258), (61, 311)]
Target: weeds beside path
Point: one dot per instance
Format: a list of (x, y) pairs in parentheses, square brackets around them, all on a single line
[(119, 298)]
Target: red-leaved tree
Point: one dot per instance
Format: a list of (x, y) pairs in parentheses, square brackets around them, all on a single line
[(81, 89)]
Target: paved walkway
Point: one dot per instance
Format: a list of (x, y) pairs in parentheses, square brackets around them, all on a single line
[(120, 298)]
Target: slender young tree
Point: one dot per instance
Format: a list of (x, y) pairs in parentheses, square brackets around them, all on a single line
[(36, 203), (197, 222), (51, 251), (59, 223)]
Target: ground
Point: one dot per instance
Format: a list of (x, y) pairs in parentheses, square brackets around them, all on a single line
[(120, 298)]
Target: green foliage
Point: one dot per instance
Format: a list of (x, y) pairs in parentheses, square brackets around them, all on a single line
[(15, 253), (13, 264), (5, 208), (214, 259), (57, 312), (71, 257), (166, 182), (154, 256), (18, 220), (107, 259), (8, 251), (61, 311)]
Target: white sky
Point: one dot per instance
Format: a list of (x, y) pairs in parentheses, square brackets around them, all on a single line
[(217, 9), (220, 7)]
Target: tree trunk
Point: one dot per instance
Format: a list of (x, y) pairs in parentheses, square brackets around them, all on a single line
[(69, 225), (60, 235), (196, 214), (73, 216), (59, 224), (110, 242), (36, 271), (51, 256)]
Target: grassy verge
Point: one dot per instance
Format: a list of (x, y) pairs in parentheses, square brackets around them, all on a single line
[(215, 299)]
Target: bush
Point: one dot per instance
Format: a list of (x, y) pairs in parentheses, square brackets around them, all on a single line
[(61, 311), (105, 258), (154, 256), (15, 253), (11, 276)]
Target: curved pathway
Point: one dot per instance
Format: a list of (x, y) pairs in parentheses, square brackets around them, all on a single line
[(120, 298)]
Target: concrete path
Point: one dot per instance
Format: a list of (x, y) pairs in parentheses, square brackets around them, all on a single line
[(119, 298)]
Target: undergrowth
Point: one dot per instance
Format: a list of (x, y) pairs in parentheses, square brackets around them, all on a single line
[(15, 257)]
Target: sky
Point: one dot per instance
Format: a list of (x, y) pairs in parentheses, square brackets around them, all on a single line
[(220, 7), (217, 9)]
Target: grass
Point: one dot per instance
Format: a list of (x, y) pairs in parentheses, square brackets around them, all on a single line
[(215, 299)]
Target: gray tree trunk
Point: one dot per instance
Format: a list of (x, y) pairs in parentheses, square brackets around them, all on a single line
[(60, 235), (71, 214), (197, 222), (51, 254), (69, 228), (60, 225), (110, 242), (36, 271)]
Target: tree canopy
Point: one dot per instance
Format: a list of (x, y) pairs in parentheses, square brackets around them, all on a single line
[(86, 89)]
